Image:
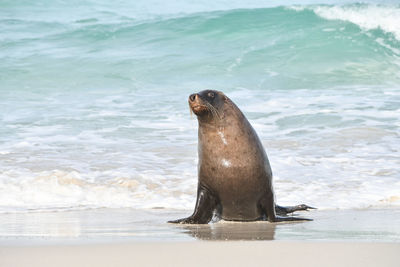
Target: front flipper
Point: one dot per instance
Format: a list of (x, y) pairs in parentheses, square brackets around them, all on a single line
[(280, 210), (204, 210)]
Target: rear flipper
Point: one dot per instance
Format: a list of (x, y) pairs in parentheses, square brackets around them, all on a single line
[(289, 219), (268, 206), (280, 210)]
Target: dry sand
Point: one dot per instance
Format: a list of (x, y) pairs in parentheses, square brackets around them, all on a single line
[(205, 253)]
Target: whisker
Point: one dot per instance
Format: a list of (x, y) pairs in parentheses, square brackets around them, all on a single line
[(213, 110), (191, 111)]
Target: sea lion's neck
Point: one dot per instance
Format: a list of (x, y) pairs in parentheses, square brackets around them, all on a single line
[(211, 125), (229, 117)]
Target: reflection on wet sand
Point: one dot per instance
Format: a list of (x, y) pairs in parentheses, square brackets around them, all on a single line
[(232, 231)]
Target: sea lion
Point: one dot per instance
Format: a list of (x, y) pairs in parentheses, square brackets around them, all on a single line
[(234, 174)]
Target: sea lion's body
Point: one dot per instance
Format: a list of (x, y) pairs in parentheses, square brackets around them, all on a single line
[(235, 177), (234, 166)]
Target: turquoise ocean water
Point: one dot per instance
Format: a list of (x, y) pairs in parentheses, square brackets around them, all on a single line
[(93, 99)]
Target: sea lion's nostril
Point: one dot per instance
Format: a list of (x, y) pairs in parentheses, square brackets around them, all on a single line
[(192, 97)]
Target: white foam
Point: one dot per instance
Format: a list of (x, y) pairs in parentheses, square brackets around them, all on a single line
[(71, 190), (368, 17), (347, 160)]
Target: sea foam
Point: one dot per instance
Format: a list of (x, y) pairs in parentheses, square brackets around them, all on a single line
[(368, 17), (93, 101)]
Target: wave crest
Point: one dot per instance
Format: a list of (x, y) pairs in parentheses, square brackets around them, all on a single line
[(368, 17)]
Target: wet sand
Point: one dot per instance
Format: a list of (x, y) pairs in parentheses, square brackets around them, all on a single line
[(127, 237), (115, 225)]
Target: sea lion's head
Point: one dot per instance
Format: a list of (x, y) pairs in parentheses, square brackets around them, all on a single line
[(207, 104)]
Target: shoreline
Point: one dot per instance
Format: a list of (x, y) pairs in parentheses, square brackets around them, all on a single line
[(131, 225), (129, 237)]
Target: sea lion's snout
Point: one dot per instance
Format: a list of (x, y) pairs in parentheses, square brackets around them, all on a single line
[(196, 104)]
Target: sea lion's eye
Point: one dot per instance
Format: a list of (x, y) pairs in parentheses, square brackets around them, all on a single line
[(210, 95)]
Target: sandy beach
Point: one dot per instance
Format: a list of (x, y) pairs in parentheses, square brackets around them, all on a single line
[(128, 237), (241, 253), (99, 147)]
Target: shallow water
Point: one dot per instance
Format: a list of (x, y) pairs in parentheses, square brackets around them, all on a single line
[(93, 99), (127, 225)]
